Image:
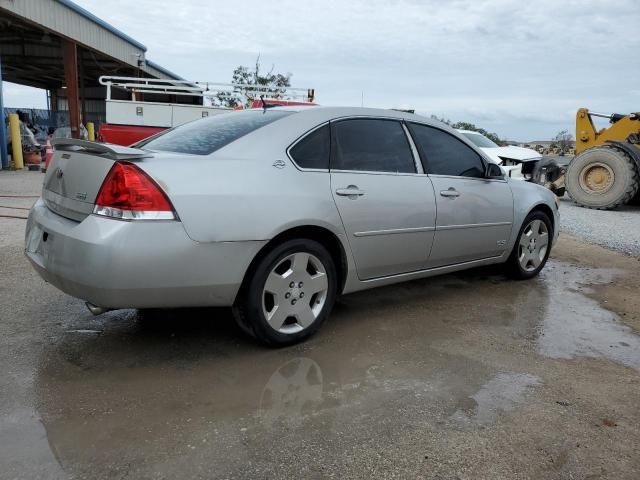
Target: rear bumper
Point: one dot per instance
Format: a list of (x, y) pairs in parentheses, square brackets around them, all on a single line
[(118, 264)]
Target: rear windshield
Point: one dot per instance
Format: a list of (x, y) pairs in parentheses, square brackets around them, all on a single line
[(205, 136)]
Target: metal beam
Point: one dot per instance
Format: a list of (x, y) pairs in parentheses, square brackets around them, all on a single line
[(81, 90), (4, 157), (70, 56)]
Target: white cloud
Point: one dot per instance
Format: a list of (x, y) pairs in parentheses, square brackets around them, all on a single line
[(518, 68), (17, 96)]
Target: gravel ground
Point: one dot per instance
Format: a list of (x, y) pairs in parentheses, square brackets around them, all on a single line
[(615, 229)]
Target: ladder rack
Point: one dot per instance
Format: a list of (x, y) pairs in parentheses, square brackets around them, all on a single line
[(209, 90)]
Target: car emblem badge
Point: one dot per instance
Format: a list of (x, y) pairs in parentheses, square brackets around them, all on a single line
[(59, 173), (81, 196), (279, 164)]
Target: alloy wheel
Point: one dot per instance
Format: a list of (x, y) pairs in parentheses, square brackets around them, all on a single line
[(533, 245), (295, 292)]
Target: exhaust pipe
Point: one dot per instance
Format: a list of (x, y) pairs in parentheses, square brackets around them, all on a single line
[(97, 310)]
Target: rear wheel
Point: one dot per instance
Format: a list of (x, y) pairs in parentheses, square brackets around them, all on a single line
[(532, 248), (602, 178), (290, 293)]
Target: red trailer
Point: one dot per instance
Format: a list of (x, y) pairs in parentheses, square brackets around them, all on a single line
[(125, 134)]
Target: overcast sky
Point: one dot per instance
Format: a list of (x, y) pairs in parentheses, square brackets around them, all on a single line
[(518, 68)]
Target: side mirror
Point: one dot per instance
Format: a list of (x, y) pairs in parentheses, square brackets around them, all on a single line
[(494, 171)]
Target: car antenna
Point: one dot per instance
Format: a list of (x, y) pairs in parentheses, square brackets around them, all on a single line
[(265, 105)]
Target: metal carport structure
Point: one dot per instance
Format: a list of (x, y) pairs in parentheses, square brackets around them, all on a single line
[(59, 46)]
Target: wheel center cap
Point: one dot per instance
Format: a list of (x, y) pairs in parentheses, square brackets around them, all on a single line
[(295, 292)]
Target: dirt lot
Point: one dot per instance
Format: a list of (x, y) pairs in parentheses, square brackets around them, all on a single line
[(463, 376)]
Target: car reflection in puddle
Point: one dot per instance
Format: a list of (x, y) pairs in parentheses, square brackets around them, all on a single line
[(293, 390), (399, 362)]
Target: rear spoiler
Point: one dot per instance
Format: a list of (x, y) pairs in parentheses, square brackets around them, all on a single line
[(109, 150)]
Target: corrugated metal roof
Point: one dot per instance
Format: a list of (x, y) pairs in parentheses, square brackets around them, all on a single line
[(87, 14), (67, 19)]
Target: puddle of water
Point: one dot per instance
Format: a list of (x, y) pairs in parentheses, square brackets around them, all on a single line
[(154, 400), (191, 391), (501, 394), (293, 389), (575, 325), (25, 451)]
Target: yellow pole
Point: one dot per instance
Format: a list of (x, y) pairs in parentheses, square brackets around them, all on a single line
[(16, 141), (91, 131)]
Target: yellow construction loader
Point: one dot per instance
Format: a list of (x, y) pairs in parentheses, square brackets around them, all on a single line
[(605, 173)]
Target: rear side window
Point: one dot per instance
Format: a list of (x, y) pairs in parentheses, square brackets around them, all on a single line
[(313, 150), (372, 145), (205, 136), (445, 154)]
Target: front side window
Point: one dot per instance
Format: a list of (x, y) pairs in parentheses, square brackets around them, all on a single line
[(371, 145), (313, 150), (444, 154), (205, 136)]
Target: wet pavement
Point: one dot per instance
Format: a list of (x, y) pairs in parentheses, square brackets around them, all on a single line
[(463, 376)]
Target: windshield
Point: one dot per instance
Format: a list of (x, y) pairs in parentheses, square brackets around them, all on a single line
[(480, 140), (202, 137)]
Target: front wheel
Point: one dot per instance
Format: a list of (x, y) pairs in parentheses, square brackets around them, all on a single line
[(531, 251), (290, 293), (602, 178)]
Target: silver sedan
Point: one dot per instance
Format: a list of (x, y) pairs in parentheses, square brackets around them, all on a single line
[(276, 212)]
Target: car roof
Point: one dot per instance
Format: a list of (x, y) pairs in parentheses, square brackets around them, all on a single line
[(326, 113), (322, 113), (304, 119), (309, 117)]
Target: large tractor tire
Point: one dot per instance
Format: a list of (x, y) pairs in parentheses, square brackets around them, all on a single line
[(602, 178)]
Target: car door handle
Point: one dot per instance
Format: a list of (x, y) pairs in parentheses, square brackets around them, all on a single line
[(451, 193), (350, 191)]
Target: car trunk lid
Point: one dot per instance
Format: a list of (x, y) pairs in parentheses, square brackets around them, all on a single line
[(76, 173)]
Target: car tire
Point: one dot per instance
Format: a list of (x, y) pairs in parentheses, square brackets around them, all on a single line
[(289, 294), (532, 247)]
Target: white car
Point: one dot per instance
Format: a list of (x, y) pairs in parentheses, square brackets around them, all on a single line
[(517, 162)]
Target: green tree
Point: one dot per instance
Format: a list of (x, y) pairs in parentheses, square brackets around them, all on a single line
[(564, 140), (470, 126), (243, 96)]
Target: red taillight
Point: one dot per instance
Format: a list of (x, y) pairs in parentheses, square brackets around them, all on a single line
[(130, 194)]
